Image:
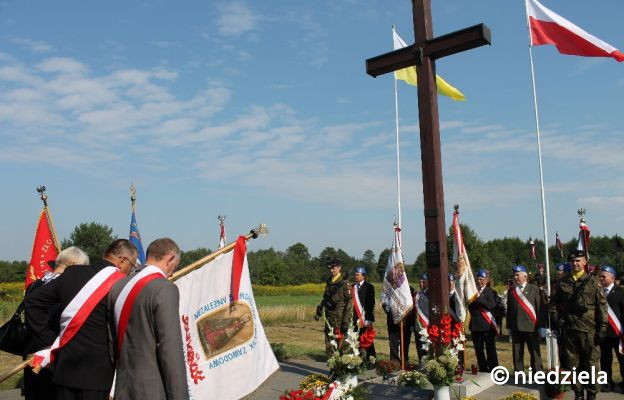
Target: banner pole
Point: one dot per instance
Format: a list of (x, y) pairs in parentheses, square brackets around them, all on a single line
[(261, 230), (401, 348)]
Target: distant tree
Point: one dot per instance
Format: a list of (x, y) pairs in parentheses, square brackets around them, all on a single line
[(13, 271), (91, 237), (382, 262), (368, 261), (297, 259), (189, 257), (267, 267)]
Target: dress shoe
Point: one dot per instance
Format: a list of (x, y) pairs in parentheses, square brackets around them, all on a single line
[(578, 396), (591, 396), (607, 387)]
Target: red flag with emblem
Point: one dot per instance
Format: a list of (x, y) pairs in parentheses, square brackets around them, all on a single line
[(45, 248)]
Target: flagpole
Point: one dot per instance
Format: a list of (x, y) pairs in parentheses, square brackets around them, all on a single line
[(549, 344), (398, 156), (261, 230), (46, 210)]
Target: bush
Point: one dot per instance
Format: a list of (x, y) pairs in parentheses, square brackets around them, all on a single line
[(279, 351)]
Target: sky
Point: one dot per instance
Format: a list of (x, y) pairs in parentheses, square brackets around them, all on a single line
[(262, 111)]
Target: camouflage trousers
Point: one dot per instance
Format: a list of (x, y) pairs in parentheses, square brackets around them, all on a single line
[(579, 351)]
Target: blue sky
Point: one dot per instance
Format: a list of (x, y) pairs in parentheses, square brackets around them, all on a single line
[(262, 111)]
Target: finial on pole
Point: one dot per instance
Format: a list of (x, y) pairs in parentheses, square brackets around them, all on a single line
[(132, 195), (261, 230), (456, 208), (221, 219), (41, 189), (581, 213)]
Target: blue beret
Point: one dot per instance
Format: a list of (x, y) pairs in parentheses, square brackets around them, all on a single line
[(608, 269), (519, 268), (451, 277), (423, 277), (482, 273), (564, 267), (361, 270)]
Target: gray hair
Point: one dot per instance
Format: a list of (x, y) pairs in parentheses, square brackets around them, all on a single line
[(72, 256)]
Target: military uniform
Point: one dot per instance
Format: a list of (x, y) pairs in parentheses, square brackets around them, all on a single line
[(338, 305), (582, 315)]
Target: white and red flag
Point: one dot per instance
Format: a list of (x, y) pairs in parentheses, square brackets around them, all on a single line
[(547, 27), (583, 238), (222, 235), (559, 244), (466, 286), (395, 292), (226, 350)]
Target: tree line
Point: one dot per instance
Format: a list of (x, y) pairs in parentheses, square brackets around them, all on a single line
[(296, 265)]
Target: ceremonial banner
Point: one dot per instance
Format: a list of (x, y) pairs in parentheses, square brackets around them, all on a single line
[(466, 286), (135, 238), (395, 292), (45, 248), (408, 75), (583, 239), (559, 245), (548, 27), (227, 353)]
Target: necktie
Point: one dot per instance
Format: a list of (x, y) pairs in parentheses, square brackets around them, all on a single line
[(606, 290)]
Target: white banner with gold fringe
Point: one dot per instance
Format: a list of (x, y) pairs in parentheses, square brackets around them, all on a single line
[(227, 353)]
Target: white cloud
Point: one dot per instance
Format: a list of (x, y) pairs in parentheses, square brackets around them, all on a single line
[(236, 18), (37, 46), (63, 65)]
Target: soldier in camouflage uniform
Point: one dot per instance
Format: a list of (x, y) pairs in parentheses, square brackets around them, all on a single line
[(337, 303), (582, 313)]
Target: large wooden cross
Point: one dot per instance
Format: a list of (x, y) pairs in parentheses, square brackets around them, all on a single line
[(423, 54)]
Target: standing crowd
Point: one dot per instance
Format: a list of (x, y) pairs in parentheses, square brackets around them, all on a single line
[(583, 312), (109, 328)]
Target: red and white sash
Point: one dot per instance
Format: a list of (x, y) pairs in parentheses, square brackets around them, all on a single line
[(525, 304), (357, 306), (487, 316), (423, 321), (616, 325), (127, 296), (77, 312)]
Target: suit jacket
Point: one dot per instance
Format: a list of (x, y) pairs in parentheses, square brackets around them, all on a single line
[(615, 299), (517, 318), (85, 362), (457, 311), (366, 292), (151, 363), (423, 302), (486, 300)]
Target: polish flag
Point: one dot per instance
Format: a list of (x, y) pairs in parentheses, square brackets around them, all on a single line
[(547, 27)]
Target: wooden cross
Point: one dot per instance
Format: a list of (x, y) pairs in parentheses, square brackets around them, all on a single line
[(423, 54)]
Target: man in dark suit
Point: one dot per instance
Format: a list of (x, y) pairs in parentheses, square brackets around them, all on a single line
[(421, 309), (364, 307), (83, 368), (151, 362), (613, 339), (482, 324), (394, 332), (524, 308)]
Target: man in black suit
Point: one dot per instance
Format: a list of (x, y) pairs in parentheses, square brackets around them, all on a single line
[(524, 308), (482, 324), (364, 307), (421, 309), (394, 332), (613, 341), (83, 367)]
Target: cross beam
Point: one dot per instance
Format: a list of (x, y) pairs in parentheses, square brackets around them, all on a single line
[(423, 54), (442, 46)]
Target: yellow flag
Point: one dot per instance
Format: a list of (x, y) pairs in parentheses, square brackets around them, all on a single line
[(409, 75)]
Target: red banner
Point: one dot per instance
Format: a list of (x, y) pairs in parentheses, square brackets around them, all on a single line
[(44, 249)]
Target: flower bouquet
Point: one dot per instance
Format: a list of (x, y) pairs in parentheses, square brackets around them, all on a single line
[(328, 391), (443, 342), (345, 363), (414, 379)]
